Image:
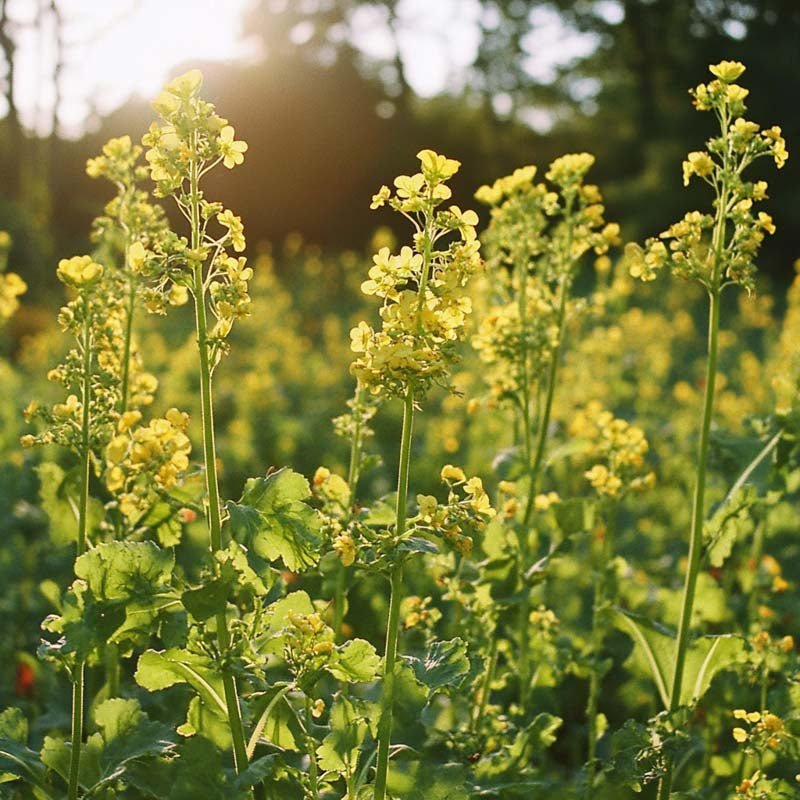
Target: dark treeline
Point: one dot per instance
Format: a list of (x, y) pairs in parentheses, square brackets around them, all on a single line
[(319, 148)]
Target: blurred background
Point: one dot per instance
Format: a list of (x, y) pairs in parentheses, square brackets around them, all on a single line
[(336, 96)]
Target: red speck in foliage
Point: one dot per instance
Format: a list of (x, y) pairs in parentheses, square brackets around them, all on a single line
[(25, 682)]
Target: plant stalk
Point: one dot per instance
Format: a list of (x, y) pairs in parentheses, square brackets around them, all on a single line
[(212, 479), (396, 587), (78, 686)]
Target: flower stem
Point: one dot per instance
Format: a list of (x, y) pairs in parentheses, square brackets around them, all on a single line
[(698, 516), (312, 755), (396, 588), (535, 471), (212, 480), (83, 525), (353, 472), (486, 684), (599, 599), (112, 663)]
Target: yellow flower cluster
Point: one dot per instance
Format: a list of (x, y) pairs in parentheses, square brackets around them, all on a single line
[(618, 448), (11, 285), (501, 339), (468, 511), (763, 730), (79, 272), (425, 304), (729, 254), (174, 145), (141, 456), (308, 643)]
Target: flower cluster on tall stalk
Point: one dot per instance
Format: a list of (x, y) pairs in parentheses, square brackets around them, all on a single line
[(83, 423), (424, 307), (535, 243), (717, 250), (182, 149)]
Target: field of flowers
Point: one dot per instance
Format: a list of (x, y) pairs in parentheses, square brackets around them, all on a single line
[(515, 517)]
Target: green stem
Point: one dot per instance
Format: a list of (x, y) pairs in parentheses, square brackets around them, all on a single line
[(128, 340), (312, 754), (756, 553), (599, 599), (698, 505), (78, 686), (353, 472), (396, 586), (486, 684), (112, 663), (212, 480), (534, 472)]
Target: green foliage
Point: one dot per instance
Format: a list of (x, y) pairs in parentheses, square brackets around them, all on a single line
[(273, 519)]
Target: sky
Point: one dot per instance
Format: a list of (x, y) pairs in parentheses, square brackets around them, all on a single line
[(115, 49)]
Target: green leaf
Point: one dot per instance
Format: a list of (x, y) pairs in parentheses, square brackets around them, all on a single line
[(209, 722), (416, 544), (512, 760), (58, 495), (18, 761), (207, 600), (574, 515), (13, 725), (340, 748), (421, 780), (161, 669), (122, 570), (445, 665), (356, 661), (656, 645), (273, 519), (125, 736), (731, 522)]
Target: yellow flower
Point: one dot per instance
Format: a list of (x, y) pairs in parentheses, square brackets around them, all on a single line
[(380, 197), (740, 734), (79, 272), (437, 168), (452, 474), (727, 71), (570, 168), (235, 228), (735, 93), (231, 150), (345, 548), (136, 256), (697, 163), (185, 85)]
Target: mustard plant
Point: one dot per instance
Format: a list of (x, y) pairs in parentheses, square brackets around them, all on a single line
[(718, 251), (83, 423), (424, 309), (191, 140), (537, 237)]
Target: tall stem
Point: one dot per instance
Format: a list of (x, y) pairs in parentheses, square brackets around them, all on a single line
[(696, 532), (698, 500), (599, 599), (78, 685), (352, 481), (112, 665), (535, 470), (396, 588), (212, 479), (313, 777)]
